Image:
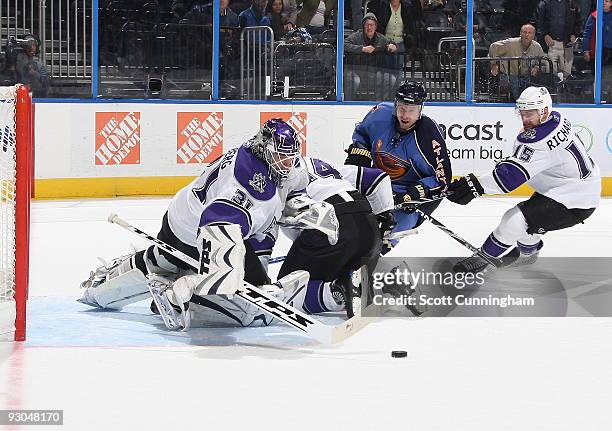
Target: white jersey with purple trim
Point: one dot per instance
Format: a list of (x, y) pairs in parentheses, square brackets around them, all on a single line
[(552, 159), (326, 180), (235, 188)]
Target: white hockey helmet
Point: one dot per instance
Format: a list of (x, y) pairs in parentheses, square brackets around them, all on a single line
[(535, 98)]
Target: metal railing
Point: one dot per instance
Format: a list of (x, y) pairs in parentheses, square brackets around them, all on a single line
[(502, 79), (375, 77), (305, 70), (256, 62)]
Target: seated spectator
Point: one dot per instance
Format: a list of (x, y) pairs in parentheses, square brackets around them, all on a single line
[(398, 20), (254, 16), (30, 70), (274, 10), (228, 17), (521, 74), (368, 41)]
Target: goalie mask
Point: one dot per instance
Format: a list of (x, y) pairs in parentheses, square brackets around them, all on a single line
[(278, 146)]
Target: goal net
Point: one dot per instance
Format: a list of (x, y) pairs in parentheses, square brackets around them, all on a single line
[(15, 182)]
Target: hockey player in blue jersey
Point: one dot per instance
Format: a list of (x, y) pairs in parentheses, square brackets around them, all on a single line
[(407, 145), (550, 157)]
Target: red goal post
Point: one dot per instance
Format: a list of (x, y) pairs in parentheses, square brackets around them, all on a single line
[(16, 175)]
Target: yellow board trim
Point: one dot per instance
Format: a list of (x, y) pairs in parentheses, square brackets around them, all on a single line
[(62, 188)]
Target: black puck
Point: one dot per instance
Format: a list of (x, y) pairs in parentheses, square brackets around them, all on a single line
[(399, 354)]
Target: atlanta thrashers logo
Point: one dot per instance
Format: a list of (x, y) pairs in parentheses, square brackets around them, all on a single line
[(391, 164)]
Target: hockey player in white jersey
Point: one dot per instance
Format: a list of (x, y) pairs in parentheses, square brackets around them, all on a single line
[(551, 158), (246, 188), (363, 201)]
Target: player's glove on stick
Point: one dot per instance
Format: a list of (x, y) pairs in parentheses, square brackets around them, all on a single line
[(415, 192), (463, 190)]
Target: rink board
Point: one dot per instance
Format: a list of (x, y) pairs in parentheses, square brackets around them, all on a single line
[(123, 149)]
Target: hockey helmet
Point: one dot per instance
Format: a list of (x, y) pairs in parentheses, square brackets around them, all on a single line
[(410, 93), (535, 98)]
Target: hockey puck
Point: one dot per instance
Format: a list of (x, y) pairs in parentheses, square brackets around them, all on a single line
[(399, 354)]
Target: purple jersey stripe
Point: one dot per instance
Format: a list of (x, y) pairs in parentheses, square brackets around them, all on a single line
[(369, 179), (224, 211), (509, 175)]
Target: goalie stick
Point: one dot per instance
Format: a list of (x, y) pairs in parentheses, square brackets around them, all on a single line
[(326, 334)]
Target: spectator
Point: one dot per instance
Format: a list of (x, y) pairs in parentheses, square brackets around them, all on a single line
[(317, 23), (254, 16), (398, 20), (290, 11), (368, 41), (228, 17), (274, 10), (30, 70), (309, 9), (588, 39), (558, 24), (521, 74), (588, 46)]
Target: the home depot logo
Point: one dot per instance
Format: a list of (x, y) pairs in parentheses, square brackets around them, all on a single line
[(117, 138), (199, 137), (297, 120)]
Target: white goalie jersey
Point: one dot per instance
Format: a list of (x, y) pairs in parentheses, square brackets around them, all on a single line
[(326, 180), (235, 189), (552, 159)]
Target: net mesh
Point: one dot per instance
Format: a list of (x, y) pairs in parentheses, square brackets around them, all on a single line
[(7, 193)]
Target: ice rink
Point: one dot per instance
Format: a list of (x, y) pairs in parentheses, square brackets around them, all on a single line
[(123, 370)]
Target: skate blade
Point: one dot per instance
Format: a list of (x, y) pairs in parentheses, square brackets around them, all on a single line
[(173, 320)]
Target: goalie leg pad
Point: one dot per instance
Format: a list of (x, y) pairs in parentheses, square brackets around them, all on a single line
[(119, 291), (221, 260)]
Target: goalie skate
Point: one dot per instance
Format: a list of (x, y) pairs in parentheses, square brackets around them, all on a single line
[(176, 317)]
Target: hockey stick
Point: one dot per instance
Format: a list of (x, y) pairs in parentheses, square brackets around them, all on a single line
[(414, 204), (325, 334), (490, 259)]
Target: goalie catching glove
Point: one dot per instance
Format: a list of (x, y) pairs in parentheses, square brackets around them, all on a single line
[(301, 212)]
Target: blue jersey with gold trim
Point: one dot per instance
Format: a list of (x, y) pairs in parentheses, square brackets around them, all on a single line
[(416, 157)]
